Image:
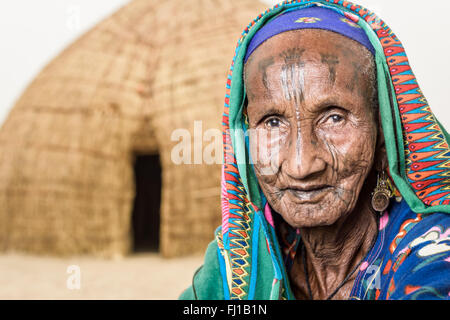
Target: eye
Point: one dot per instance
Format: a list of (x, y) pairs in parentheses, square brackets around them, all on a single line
[(272, 123), (336, 118)]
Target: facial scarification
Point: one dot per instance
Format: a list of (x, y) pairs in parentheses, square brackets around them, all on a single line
[(332, 61), (359, 70), (292, 79), (292, 82), (292, 55), (263, 65)]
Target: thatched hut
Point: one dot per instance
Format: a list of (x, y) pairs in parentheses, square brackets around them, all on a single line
[(85, 154)]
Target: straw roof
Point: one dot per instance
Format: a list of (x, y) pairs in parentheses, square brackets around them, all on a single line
[(69, 144)]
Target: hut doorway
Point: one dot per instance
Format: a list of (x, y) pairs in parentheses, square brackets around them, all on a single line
[(146, 218)]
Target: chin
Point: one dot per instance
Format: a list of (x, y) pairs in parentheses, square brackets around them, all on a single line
[(311, 219), (308, 215)]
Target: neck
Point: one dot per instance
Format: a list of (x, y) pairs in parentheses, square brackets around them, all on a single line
[(348, 239), (333, 252)]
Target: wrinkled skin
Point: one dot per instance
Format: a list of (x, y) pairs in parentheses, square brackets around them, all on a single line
[(316, 147)]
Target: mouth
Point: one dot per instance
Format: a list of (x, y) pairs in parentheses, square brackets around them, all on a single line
[(309, 193)]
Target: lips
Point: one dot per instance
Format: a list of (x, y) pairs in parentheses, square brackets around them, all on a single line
[(312, 193)]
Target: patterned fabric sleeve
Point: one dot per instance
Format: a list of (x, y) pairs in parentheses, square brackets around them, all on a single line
[(420, 266), (430, 282)]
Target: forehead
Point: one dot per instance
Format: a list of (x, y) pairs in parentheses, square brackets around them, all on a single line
[(325, 64), (309, 45)]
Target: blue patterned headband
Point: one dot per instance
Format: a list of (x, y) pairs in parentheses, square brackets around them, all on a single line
[(310, 18)]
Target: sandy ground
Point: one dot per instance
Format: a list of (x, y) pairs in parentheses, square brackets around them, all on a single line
[(141, 276)]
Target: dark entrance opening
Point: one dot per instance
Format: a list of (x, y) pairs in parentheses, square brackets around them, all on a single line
[(146, 212)]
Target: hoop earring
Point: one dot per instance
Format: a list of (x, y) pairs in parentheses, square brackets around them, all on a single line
[(382, 194)]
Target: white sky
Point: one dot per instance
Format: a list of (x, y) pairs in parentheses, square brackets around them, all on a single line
[(33, 32)]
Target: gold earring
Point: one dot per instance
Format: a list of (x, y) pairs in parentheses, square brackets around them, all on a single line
[(382, 193)]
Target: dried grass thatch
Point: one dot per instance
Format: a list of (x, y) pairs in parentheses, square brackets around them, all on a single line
[(68, 145)]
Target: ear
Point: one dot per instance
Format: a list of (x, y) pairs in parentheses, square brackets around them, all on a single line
[(380, 161)]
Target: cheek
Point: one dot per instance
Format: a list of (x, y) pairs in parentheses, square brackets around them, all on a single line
[(352, 150), (265, 146)]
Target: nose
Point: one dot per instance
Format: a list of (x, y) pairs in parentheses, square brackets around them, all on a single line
[(302, 158)]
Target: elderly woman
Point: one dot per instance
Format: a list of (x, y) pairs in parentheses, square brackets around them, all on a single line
[(339, 186)]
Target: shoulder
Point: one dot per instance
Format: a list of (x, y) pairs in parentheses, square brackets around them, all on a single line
[(207, 281), (408, 229), (419, 250), (426, 234)]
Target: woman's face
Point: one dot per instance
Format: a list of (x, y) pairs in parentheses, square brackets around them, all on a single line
[(313, 131)]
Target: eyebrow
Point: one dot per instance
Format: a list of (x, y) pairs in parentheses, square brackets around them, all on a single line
[(325, 102), (261, 112)]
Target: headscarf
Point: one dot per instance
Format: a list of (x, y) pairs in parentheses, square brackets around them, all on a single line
[(416, 144), (314, 17)]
